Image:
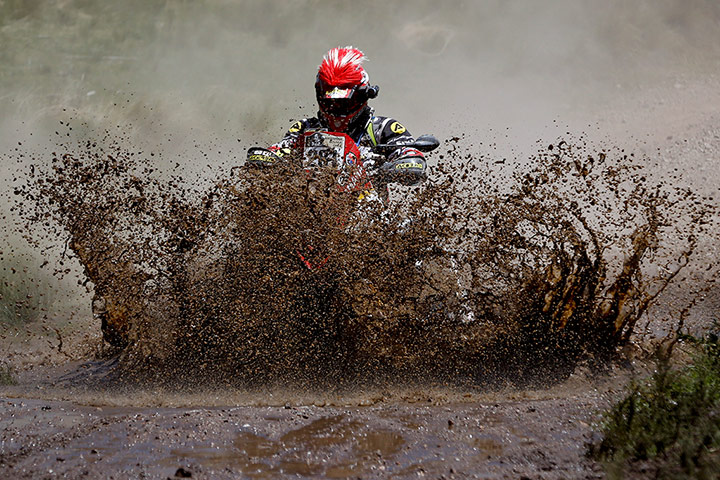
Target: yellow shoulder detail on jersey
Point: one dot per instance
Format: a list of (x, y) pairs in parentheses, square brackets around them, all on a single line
[(396, 127), (297, 126)]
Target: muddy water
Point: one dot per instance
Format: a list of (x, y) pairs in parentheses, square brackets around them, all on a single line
[(483, 276), (372, 365), (392, 440)]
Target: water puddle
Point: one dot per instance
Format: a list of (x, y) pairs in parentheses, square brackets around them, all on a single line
[(331, 447)]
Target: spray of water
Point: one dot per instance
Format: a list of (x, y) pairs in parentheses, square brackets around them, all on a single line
[(482, 275)]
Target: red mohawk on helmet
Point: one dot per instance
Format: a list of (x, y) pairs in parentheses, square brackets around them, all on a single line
[(342, 67)]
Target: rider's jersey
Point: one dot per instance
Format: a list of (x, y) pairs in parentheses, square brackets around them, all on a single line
[(367, 130)]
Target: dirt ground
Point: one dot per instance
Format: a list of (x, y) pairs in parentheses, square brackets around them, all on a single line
[(433, 434)]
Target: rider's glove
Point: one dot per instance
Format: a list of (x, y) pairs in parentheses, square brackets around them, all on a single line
[(406, 166), (263, 157), (281, 152)]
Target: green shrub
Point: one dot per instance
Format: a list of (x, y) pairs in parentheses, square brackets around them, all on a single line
[(669, 425)]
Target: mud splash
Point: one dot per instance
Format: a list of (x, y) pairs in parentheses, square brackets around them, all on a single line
[(467, 281)]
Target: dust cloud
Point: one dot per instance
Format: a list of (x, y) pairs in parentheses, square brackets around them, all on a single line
[(243, 69)]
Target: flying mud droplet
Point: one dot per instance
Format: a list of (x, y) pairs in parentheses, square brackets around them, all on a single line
[(475, 278)]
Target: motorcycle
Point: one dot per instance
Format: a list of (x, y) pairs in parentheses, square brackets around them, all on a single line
[(357, 171)]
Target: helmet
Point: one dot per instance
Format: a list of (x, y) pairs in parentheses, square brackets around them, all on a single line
[(342, 87)]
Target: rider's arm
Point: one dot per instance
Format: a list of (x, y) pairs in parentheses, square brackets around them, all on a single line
[(289, 144), (291, 141), (405, 165)]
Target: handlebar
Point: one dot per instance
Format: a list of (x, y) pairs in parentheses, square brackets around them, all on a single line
[(424, 143)]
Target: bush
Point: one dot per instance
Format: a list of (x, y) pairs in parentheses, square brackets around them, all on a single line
[(669, 426)]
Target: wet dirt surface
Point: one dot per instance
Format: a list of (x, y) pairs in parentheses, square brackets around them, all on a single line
[(510, 436)]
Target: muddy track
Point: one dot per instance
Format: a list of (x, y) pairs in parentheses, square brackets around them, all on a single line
[(505, 437)]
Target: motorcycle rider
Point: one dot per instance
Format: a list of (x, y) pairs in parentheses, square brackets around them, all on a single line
[(342, 89)]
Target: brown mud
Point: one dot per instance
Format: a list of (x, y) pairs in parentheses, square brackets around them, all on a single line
[(485, 275), (428, 434), (413, 351)]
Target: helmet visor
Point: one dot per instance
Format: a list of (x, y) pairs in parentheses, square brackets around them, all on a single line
[(338, 101)]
